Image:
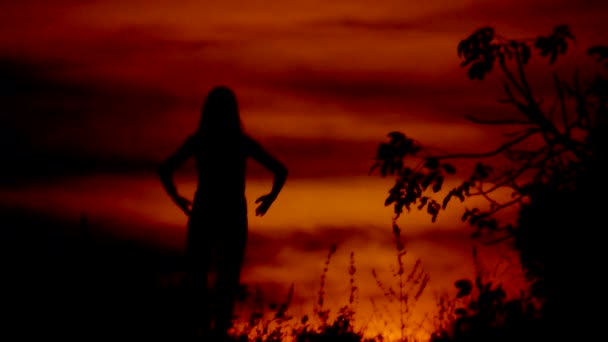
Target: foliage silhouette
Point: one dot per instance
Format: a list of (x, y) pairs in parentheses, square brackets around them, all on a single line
[(552, 167), (481, 311)]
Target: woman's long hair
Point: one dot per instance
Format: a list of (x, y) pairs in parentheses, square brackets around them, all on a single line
[(220, 120)]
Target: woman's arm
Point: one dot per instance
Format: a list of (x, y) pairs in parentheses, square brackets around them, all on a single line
[(168, 167), (259, 154)]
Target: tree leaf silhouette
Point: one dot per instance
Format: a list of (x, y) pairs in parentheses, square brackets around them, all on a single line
[(464, 286), (432, 163), (554, 44), (460, 312), (423, 202), (384, 151), (526, 53), (600, 53), (446, 200), (438, 184), (449, 168)]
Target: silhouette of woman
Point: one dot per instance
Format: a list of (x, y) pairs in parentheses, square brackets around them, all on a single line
[(217, 218)]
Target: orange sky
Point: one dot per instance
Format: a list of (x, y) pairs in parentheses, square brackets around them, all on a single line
[(102, 91)]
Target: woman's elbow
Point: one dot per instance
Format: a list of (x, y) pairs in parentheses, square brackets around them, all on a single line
[(283, 172), (163, 171)]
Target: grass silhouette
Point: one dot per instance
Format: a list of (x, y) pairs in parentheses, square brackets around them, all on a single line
[(273, 322)]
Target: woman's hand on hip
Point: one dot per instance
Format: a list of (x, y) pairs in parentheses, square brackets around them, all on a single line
[(184, 204), (265, 203)]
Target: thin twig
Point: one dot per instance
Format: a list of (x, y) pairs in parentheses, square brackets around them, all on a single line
[(498, 122), (562, 102), (522, 76), (495, 152)]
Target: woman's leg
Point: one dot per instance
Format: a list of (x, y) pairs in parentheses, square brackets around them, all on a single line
[(197, 270), (228, 281), (199, 303)]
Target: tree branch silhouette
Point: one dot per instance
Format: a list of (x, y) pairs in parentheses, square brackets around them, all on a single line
[(420, 174)]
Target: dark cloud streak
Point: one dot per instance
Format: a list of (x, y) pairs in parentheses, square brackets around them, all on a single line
[(54, 126)]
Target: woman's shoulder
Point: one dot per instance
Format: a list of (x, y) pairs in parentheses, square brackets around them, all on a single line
[(246, 138), (193, 140)]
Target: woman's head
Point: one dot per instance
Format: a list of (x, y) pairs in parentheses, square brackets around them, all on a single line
[(220, 113)]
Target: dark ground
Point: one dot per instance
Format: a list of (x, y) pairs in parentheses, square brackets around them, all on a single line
[(61, 281)]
